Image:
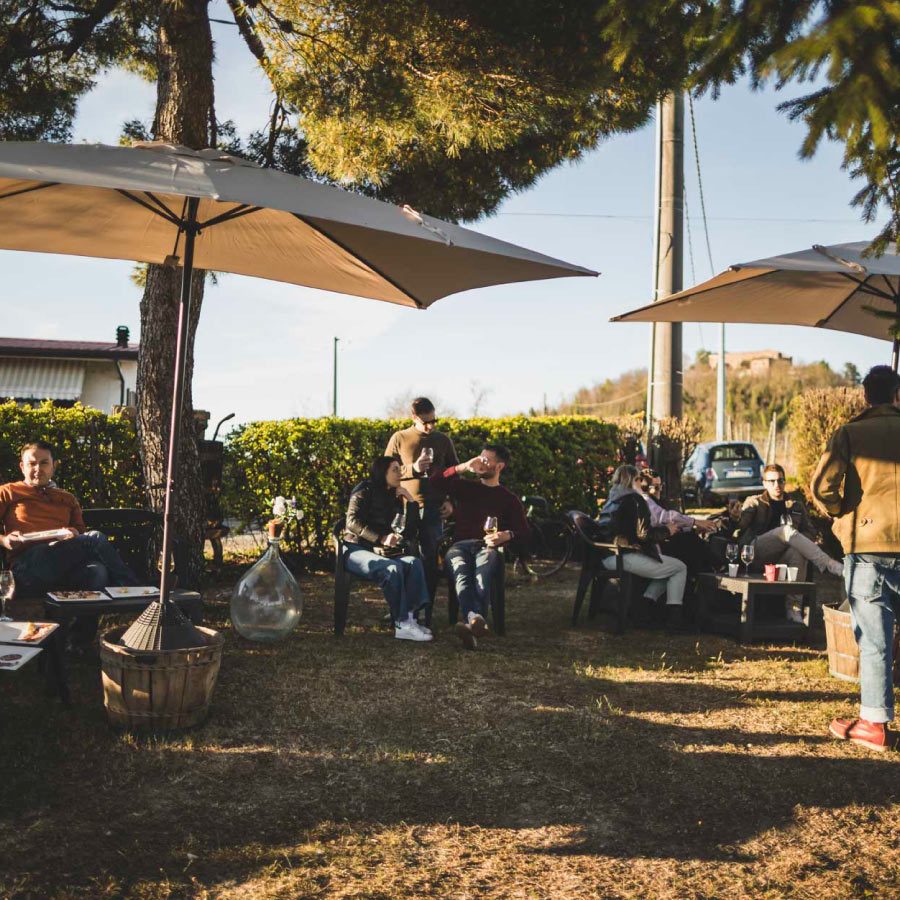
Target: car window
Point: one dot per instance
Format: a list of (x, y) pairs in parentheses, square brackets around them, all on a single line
[(726, 452)]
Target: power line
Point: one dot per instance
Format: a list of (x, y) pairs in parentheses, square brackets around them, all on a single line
[(712, 269), (562, 215)]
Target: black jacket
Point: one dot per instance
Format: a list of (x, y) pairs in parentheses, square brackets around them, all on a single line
[(371, 511), (625, 520)]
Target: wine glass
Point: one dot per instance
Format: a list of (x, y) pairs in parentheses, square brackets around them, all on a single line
[(7, 588), (490, 525), (732, 553), (427, 454), (398, 525), (747, 554)]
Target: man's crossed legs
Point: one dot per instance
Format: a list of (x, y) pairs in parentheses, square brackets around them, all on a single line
[(85, 562), (786, 545), (472, 567)]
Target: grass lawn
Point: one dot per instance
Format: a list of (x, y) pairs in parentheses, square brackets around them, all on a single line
[(555, 762)]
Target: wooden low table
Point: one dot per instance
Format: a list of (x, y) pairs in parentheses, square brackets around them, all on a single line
[(190, 603), (744, 623)]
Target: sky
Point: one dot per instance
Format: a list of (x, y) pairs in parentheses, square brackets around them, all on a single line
[(264, 350)]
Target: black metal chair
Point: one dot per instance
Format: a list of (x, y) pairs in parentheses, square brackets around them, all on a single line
[(497, 596), (343, 580), (596, 576)]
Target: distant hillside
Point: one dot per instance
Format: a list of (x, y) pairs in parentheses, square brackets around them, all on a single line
[(751, 397)]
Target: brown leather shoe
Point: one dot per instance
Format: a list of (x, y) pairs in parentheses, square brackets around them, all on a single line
[(874, 735), (478, 625), (464, 633)]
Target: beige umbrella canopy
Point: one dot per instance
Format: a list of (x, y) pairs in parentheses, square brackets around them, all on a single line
[(129, 203), (161, 203), (833, 287)]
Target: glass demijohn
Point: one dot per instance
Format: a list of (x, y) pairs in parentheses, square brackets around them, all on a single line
[(266, 603)]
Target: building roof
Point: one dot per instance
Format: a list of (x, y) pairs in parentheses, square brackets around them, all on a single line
[(46, 349)]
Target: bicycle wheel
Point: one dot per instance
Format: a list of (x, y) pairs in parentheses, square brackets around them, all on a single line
[(550, 548)]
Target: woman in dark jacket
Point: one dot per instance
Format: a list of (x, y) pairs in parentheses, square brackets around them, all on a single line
[(381, 547), (625, 520)]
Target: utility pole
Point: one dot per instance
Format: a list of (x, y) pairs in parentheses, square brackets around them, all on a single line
[(720, 386), (334, 385), (664, 389)]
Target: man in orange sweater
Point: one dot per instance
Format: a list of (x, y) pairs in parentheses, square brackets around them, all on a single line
[(73, 559)]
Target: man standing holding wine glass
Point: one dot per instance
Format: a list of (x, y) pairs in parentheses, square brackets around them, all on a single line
[(488, 517), (422, 448)]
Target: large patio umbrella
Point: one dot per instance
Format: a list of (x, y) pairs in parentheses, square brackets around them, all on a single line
[(162, 203), (833, 287)]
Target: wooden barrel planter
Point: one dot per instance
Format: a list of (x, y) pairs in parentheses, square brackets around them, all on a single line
[(843, 651), (158, 690)]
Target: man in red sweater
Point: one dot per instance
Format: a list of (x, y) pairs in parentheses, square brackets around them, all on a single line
[(71, 559), (475, 551)]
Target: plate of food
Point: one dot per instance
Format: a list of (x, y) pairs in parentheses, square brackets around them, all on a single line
[(55, 534), (12, 658), (71, 596), (25, 632), (118, 592)]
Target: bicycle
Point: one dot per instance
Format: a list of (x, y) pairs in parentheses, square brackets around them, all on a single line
[(552, 540)]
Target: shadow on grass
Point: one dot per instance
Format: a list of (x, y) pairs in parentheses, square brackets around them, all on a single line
[(371, 734)]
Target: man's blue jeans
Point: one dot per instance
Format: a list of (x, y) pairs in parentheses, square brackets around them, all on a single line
[(472, 566), (86, 562), (431, 530), (873, 587), (402, 579)]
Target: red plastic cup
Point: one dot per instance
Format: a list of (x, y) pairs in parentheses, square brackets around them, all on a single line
[(771, 572)]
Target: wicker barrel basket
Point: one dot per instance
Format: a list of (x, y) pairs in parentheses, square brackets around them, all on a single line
[(158, 690)]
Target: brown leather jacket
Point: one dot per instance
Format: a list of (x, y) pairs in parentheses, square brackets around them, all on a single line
[(857, 482), (756, 515)]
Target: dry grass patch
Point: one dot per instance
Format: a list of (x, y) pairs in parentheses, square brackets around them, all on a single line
[(552, 763)]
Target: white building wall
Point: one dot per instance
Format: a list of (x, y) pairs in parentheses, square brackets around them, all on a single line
[(102, 387)]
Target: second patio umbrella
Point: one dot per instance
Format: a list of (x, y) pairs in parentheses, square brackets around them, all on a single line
[(833, 287), (162, 203)]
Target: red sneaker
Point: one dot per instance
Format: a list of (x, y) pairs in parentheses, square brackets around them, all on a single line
[(874, 735)]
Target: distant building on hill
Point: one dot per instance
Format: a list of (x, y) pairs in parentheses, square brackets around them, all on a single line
[(752, 362), (98, 374)]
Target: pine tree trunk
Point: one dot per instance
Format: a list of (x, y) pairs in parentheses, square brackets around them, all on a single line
[(183, 113)]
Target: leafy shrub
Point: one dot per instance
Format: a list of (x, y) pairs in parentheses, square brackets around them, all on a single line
[(98, 454), (814, 416), (318, 461)]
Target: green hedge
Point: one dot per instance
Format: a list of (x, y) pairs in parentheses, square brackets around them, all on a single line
[(318, 461), (98, 454), (814, 416)]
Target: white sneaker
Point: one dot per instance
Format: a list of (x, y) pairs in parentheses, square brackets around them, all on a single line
[(410, 631), (424, 629)]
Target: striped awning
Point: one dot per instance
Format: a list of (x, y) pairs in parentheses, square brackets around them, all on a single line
[(41, 379)]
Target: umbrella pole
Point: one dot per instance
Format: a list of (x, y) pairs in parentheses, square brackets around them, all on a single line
[(184, 316)]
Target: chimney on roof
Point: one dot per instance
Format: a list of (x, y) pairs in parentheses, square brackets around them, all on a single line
[(122, 334)]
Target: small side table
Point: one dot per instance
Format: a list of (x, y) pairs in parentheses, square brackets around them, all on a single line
[(744, 624), (50, 661)]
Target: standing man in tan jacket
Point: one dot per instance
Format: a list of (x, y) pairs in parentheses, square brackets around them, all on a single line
[(857, 482), (422, 448)]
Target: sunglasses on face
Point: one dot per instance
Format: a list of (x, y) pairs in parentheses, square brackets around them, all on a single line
[(427, 421), (774, 481)]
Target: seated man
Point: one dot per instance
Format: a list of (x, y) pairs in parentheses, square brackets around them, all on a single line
[(783, 533), (83, 561), (475, 552)]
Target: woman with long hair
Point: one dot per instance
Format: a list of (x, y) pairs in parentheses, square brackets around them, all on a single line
[(381, 541), (625, 520)]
